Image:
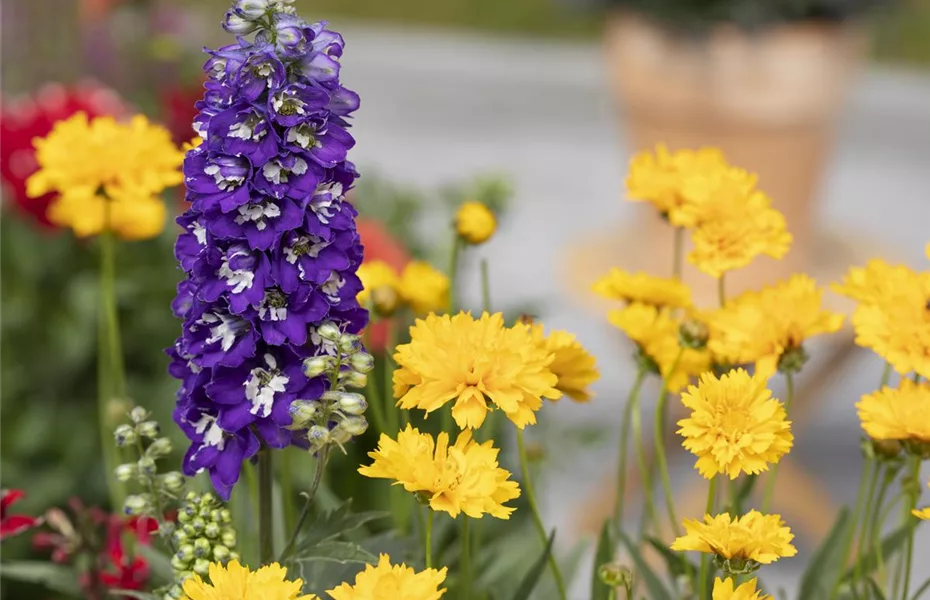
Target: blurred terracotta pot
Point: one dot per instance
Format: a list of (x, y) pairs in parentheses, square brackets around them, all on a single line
[(768, 99)]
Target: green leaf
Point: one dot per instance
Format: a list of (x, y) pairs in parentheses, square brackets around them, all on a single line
[(158, 563), (674, 561), (891, 544), (57, 578), (823, 571), (875, 588), (337, 522), (336, 551), (657, 591), (603, 555), (133, 594), (532, 576)]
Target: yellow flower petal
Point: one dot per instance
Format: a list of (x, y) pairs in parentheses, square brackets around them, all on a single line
[(754, 536), (394, 582)]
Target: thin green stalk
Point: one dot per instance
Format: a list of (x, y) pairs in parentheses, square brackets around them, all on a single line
[(649, 509), (914, 496), (721, 290), (428, 542), (886, 375), (709, 509), (659, 436), (392, 411), (287, 490), (453, 272), (317, 478), (537, 517), (875, 526), (485, 287), (678, 252), (620, 502), (265, 506), (465, 592), (864, 484), (376, 402), (899, 563), (862, 539), (111, 376), (770, 480)]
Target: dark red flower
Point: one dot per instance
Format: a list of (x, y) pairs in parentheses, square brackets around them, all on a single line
[(11, 525), (122, 570), (380, 245), (178, 110), (23, 119)]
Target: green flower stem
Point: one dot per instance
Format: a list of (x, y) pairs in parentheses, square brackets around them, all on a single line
[(375, 400), (770, 480), (428, 542), (709, 509), (465, 591), (485, 286), (286, 482), (111, 377), (321, 462), (863, 537), (659, 435), (391, 410), (265, 506), (537, 518), (453, 272), (678, 251), (912, 522), (649, 508), (886, 375), (620, 502), (865, 486), (875, 526)]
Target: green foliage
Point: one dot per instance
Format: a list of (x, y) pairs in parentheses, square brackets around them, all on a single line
[(528, 584), (57, 578), (603, 555), (824, 570)]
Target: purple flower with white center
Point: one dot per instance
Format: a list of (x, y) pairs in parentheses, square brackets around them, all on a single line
[(269, 245)]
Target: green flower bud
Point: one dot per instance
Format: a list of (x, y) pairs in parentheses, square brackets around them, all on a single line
[(137, 504), (202, 547), (202, 567), (328, 331), (175, 592), (138, 414), (354, 425), (125, 435), (362, 362), (352, 403), (189, 531), (212, 530), (234, 556), (126, 472), (348, 343), (792, 360), (302, 412), (615, 575), (208, 499), (149, 429), (192, 497), (318, 436), (339, 436), (736, 566), (179, 564), (353, 379), (159, 448), (184, 575), (225, 516), (173, 482), (146, 466), (693, 334), (317, 365), (166, 529), (220, 553), (185, 553), (198, 525), (179, 537), (229, 538)]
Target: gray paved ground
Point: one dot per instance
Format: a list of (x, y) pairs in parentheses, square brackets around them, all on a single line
[(440, 107)]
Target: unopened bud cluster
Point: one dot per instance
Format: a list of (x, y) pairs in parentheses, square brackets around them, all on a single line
[(204, 535), (141, 438), (338, 415)]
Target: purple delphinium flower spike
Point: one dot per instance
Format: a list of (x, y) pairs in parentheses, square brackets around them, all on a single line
[(269, 245)]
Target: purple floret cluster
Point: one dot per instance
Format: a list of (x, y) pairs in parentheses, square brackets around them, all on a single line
[(269, 248)]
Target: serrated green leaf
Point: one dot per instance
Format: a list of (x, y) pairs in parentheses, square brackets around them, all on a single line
[(57, 578), (337, 522), (604, 554), (890, 545), (532, 576), (133, 594), (657, 591), (335, 551), (823, 572)]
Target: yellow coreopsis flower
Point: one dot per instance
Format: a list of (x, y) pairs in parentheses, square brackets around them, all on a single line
[(735, 229), (643, 288), (424, 288), (892, 318), (236, 582), (753, 537), (464, 477), (469, 361), (655, 332), (375, 275), (901, 414), (392, 582), (107, 175), (574, 366), (724, 590), (475, 223), (735, 425), (769, 327)]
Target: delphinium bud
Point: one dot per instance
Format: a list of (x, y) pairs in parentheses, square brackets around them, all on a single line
[(159, 448), (354, 425), (329, 332), (353, 379), (148, 429), (138, 414), (138, 505), (319, 437), (237, 24), (302, 412), (348, 343), (173, 482), (362, 362), (317, 365), (352, 404), (252, 9), (126, 472), (204, 536), (125, 435), (147, 467)]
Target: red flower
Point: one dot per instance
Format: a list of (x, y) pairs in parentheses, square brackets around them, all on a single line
[(121, 571), (178, 110), (380, 245), (23, 119), (13, 524)]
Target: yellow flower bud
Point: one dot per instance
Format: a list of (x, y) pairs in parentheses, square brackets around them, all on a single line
[(475, 223)]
